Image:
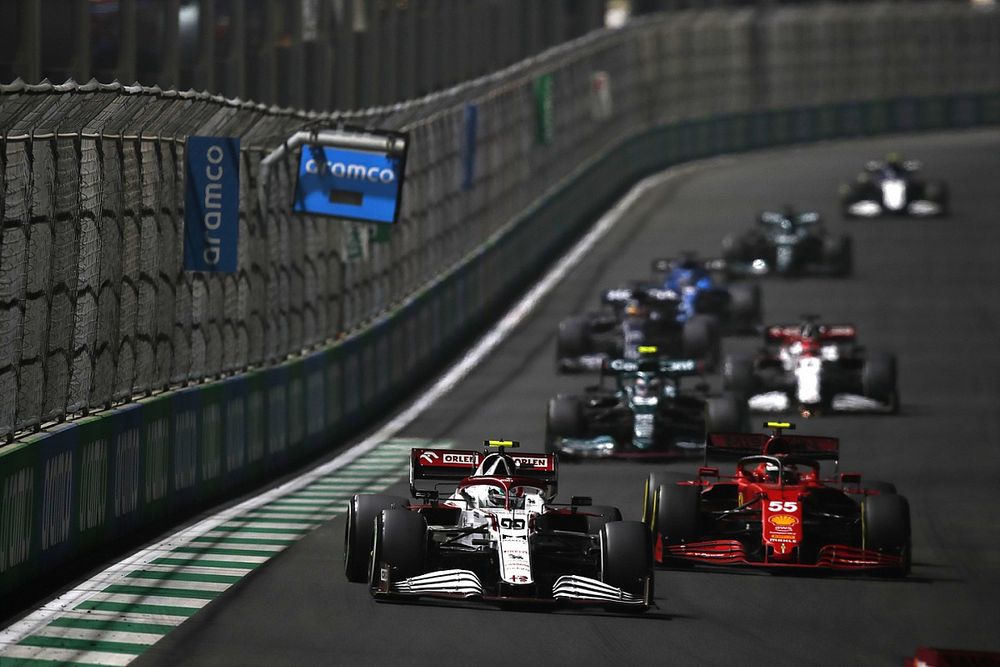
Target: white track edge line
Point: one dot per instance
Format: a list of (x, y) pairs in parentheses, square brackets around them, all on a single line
[(67, 601)]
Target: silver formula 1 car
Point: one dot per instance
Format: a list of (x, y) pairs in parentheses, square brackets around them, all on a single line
[(498, 536)]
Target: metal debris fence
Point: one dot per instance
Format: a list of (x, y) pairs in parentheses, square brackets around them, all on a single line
[(96, 308)]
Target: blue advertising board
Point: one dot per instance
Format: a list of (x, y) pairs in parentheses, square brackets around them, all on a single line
[(349, 183), (211, 203)]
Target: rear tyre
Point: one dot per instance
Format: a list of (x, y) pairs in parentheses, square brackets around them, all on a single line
[(572, 339), (745, 305), (563, 419), (359, 535), (700, 339), (878, 379), (400, 544), (604, 514), (886, 527), (627, 558), (838, 255), (678, 516), (726, 414)]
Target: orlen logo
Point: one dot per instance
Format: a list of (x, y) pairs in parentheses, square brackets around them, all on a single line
[(429, 457), (783, 520), (532, 461), (357, 172), (464, 459)]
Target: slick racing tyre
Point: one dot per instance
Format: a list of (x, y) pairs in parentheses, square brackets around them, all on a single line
[(885, 521), (727, 414), (745, 305), (878, 379), (627, 557), (653, 483), (563, 419), (572, 339), (838, 255), (359, 534), (937, 192), (701, 340), (400, 544), (738, 374), (678, 512)]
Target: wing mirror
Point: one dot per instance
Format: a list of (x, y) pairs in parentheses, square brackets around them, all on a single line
[(706, 471), (581, 501)]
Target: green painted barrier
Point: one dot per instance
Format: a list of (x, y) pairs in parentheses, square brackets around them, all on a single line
[(80, 487)]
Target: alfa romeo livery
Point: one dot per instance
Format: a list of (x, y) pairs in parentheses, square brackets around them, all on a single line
[(498, 536)]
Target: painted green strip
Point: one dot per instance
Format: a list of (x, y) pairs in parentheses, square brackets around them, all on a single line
[(35, 662), (339, 505), (285, 510), (223, 551), (159, 591), (185, 576), (195, 562), (137, 608), (264, 519), (83, 644), (244, 540), (264, 529), (111, 626)]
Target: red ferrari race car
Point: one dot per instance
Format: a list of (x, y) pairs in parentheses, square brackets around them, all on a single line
[(777, 510), (497, 536)]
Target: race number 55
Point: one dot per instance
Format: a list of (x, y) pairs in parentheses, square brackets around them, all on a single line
[(779, 506)]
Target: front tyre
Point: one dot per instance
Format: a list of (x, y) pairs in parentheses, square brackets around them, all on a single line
[(678, 513), (359, 535), (400, 545), (563, 419), (626, 558), (886, 527)]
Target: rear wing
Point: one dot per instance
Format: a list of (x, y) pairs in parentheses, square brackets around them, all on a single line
[(668, 264), (454, 465), (821, 448), (658, 365), (649, 294), (829, 332)]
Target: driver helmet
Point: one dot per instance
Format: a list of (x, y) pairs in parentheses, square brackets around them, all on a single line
[(635, 309), (766, 472), (809, 330), (646, 386), (495, 497)]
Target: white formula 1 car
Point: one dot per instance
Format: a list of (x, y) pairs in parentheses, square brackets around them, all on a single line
[(498, 536)]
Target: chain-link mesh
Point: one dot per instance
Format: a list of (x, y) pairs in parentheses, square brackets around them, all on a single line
[(96, 308)]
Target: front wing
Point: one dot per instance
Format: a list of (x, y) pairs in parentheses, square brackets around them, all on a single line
[(732, 552), (457, 584)]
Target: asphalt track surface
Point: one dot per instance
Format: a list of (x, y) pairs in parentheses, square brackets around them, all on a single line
[(928, 290)]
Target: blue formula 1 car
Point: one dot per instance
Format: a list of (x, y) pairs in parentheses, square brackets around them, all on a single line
[(702, 290)]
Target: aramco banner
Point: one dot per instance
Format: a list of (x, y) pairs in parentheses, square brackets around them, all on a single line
[(351, 183), (211, 203)]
